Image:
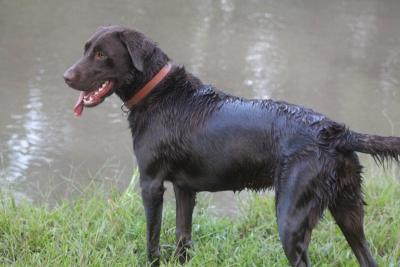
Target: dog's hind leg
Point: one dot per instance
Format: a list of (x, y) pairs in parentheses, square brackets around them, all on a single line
[(185, 202), (152, 194), (297, 212), (348, 212)]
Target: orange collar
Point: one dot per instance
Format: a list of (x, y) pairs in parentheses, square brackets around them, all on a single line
[(145, 90)]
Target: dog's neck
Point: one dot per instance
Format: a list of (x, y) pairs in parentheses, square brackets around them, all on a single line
[(172, 92), (148, 87), (136, 79)]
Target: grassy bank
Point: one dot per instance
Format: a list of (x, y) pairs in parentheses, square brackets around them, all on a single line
[(95, 230)]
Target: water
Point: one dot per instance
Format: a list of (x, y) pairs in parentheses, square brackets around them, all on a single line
[(339, 57)]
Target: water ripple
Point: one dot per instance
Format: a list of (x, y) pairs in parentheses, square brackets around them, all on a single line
[(26, 142)]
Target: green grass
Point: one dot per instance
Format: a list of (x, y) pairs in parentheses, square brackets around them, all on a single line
[(99, 230)]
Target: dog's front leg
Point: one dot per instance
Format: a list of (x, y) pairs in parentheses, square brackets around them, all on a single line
[(152, 194), (185, 201)]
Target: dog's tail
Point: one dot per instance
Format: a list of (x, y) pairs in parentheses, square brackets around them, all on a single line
[(381, 148)]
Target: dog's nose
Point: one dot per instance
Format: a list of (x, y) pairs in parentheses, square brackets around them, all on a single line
[(70, 76)]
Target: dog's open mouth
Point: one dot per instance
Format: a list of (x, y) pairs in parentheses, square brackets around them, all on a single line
[(93, 97)]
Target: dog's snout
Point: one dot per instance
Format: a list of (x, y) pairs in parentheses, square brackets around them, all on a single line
[(70, 76)]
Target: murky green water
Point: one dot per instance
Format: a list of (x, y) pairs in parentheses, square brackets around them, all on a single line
[(340, 57)]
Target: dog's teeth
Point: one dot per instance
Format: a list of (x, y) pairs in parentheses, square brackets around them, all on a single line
[(88, 101)]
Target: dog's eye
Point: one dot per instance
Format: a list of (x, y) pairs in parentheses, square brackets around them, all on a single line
[(99, 55)]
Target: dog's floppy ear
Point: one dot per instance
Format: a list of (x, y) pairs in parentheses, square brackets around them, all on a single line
[(136, 44)]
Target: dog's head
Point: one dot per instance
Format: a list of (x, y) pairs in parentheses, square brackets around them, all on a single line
[(115, 59)]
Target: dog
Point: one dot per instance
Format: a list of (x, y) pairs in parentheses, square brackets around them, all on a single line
[(201, 139)]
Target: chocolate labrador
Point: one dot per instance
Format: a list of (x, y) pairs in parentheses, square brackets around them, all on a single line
[(201, 139)]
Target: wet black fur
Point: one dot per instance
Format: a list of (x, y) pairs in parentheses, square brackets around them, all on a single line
[(202, 139)]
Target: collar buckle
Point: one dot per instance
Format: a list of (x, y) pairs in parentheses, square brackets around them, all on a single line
[(125, 110)]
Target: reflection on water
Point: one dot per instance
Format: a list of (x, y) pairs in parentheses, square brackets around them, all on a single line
[(362, 26), (390, 84), (264, 60), (25, 144), (25, 141), (340, 57), (204, 17)]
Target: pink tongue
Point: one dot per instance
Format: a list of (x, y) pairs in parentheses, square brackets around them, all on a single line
[(78, 108)]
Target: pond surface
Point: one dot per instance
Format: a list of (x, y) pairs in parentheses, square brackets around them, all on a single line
[(339, 57)]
